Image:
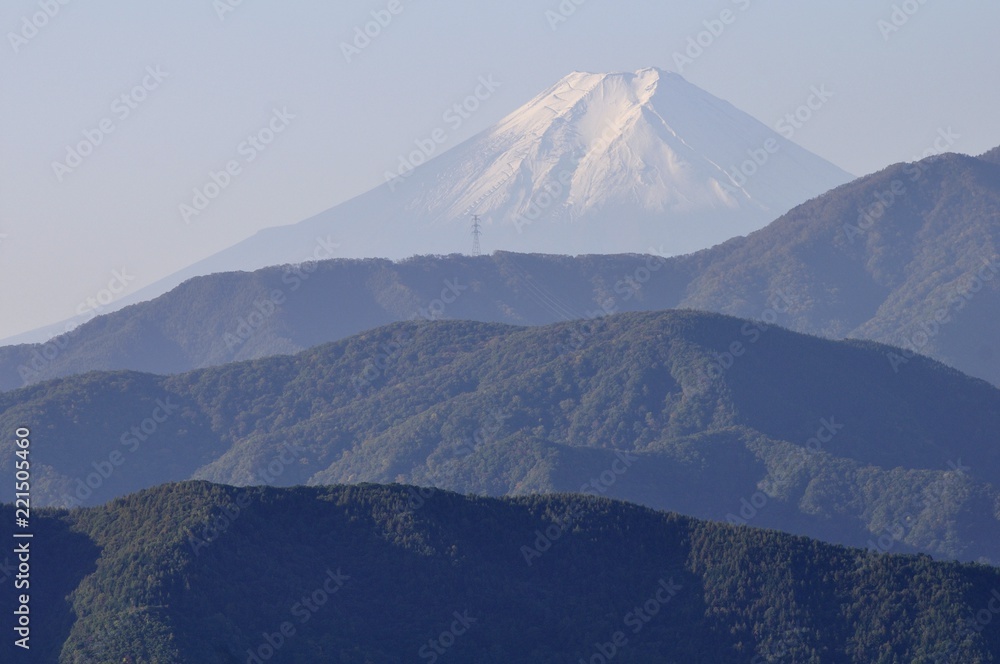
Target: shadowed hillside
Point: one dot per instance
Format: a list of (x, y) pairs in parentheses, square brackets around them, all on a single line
[(202, 573), (699, 413)]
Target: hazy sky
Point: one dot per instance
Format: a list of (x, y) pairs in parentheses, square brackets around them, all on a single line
[(163, 94)]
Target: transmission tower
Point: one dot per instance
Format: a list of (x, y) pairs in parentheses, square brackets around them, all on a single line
[(477, 231)]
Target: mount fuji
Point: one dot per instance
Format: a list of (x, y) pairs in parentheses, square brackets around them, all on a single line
[(638, 162), (598, 163)]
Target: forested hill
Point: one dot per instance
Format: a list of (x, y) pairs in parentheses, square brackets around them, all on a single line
[(227, 317), (195, 572), (908, 256), (698, 413)]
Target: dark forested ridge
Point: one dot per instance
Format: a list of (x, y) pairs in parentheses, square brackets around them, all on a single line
[(195, 572), (698, 413), (907, 256)]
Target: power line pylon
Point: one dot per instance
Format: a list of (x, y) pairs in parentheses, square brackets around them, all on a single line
[(477, 231)]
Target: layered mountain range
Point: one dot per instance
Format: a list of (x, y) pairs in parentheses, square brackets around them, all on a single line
[(703, 414), (260, 465), (596, 164), (907, 256)]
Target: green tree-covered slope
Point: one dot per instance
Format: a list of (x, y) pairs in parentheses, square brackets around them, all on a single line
[(203, 573), (699, 413)]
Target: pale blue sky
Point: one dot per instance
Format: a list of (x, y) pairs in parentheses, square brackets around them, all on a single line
[(62, 241)]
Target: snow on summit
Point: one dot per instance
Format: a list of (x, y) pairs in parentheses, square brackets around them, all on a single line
[(598, 163), (646, 148)]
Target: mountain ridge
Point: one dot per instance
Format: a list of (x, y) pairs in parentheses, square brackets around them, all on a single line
[(715, 415), (208, 573), (916, 271)]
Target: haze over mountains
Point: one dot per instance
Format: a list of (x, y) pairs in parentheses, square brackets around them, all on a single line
[(665, 380), (596, 164), (425, 333), (703, 414), (907, 256)]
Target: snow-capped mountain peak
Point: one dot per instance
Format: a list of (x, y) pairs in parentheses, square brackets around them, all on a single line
[(647, 149), (598, 163)]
